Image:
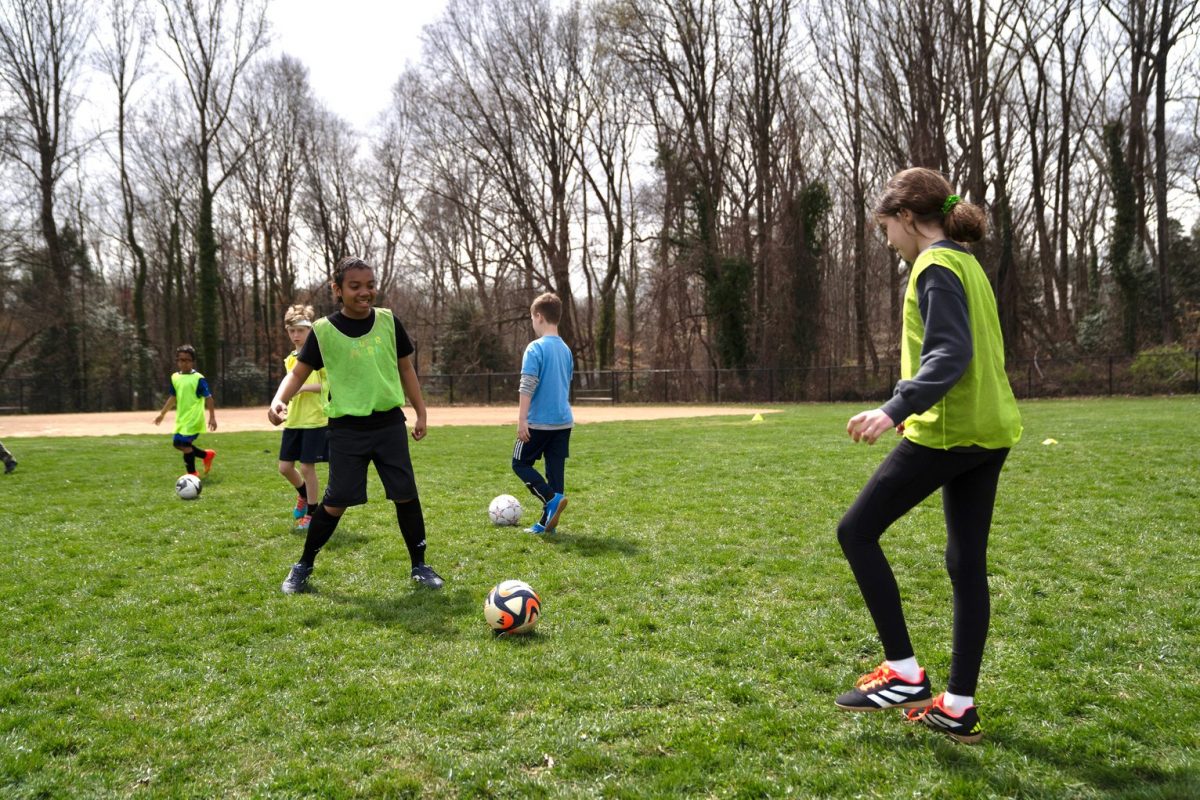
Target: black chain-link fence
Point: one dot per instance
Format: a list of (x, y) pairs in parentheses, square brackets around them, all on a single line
[(1158, 373)]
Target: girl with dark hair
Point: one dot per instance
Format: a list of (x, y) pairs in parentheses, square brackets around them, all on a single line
[(956, 412)]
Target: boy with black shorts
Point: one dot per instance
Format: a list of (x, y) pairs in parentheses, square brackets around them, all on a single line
[(367, 357), (544, 418)]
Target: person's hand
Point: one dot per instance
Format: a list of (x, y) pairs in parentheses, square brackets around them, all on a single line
[(158, 420), (277, 412), (869, 425), (523, 431), (212, 423), (419, 431)]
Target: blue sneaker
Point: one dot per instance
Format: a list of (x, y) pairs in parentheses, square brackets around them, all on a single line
[(536, 527), (554, 509)]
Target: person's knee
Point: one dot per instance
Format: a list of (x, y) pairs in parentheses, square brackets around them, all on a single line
[(285, 468), (847, 533), (961, 565), (333, 511)]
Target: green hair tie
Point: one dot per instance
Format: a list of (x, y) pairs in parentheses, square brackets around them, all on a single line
[(951, 201)]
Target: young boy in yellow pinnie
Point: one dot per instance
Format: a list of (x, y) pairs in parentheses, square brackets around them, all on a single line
[(306, 426), (190, 397)]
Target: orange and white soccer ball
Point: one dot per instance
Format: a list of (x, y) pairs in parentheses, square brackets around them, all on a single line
[(512, 607), (505, 510)]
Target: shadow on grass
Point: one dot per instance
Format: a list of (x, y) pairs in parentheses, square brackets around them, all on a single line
[(532, 639), (972, 763), (1144, 780), (343, 540), (586, 545), (417, 609)]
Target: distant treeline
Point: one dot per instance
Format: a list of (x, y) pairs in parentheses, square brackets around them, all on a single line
[(695, 178)]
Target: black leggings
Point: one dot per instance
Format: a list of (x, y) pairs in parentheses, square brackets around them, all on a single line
[(907, 476)]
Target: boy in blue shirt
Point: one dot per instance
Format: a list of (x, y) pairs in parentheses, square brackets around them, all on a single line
[(544, 420)]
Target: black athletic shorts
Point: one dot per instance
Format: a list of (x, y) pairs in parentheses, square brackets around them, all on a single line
[(306, 445), (351, 450)]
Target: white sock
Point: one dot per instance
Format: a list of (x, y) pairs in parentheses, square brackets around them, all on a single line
[(906, 668), (957, 703)]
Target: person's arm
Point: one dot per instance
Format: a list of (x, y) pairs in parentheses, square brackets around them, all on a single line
[(167, 406), (531, 375), (287, 389), (528, 385), (211, 405), (946, 352), (412, 391)]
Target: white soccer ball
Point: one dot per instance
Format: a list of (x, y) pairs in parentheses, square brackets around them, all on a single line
[(505, 510), (188, 487), (512, 607)]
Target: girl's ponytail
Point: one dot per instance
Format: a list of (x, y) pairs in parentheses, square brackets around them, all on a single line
[(964, 222)]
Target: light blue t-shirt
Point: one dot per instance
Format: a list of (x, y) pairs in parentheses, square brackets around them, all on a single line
[(549, 360)]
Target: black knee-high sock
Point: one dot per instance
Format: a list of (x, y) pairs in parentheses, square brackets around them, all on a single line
[(189, 460), (412, 525), (319, 530)]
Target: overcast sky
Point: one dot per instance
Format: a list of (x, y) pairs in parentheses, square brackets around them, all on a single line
[(354, 49)]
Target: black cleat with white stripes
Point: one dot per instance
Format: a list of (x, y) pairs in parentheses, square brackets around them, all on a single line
[(884, 688), (966, 727)]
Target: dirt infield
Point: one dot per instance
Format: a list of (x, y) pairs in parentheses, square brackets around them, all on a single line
[(236, 420)]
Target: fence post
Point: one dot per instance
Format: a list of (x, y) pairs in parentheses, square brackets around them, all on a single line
[(451, 377), (1196, 374), (616, 385), (829, 384), (489, 387), (771, 384), (1110, 376), (1029, 380)]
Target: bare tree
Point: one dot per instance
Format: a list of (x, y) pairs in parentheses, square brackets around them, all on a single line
[(270, 123), (506, 73), (679, 49), (42, 44), (604, 152), (1175, 20), (122, 56), (839, 33), (212, 43), (329, 149)]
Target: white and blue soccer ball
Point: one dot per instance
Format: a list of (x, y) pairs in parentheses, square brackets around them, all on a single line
[(505, 510), (188, 487)]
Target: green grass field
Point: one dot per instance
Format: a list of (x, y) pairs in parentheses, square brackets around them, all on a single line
[(699, 618)]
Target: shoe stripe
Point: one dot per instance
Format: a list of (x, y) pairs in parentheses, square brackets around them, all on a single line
[(891, 696)]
